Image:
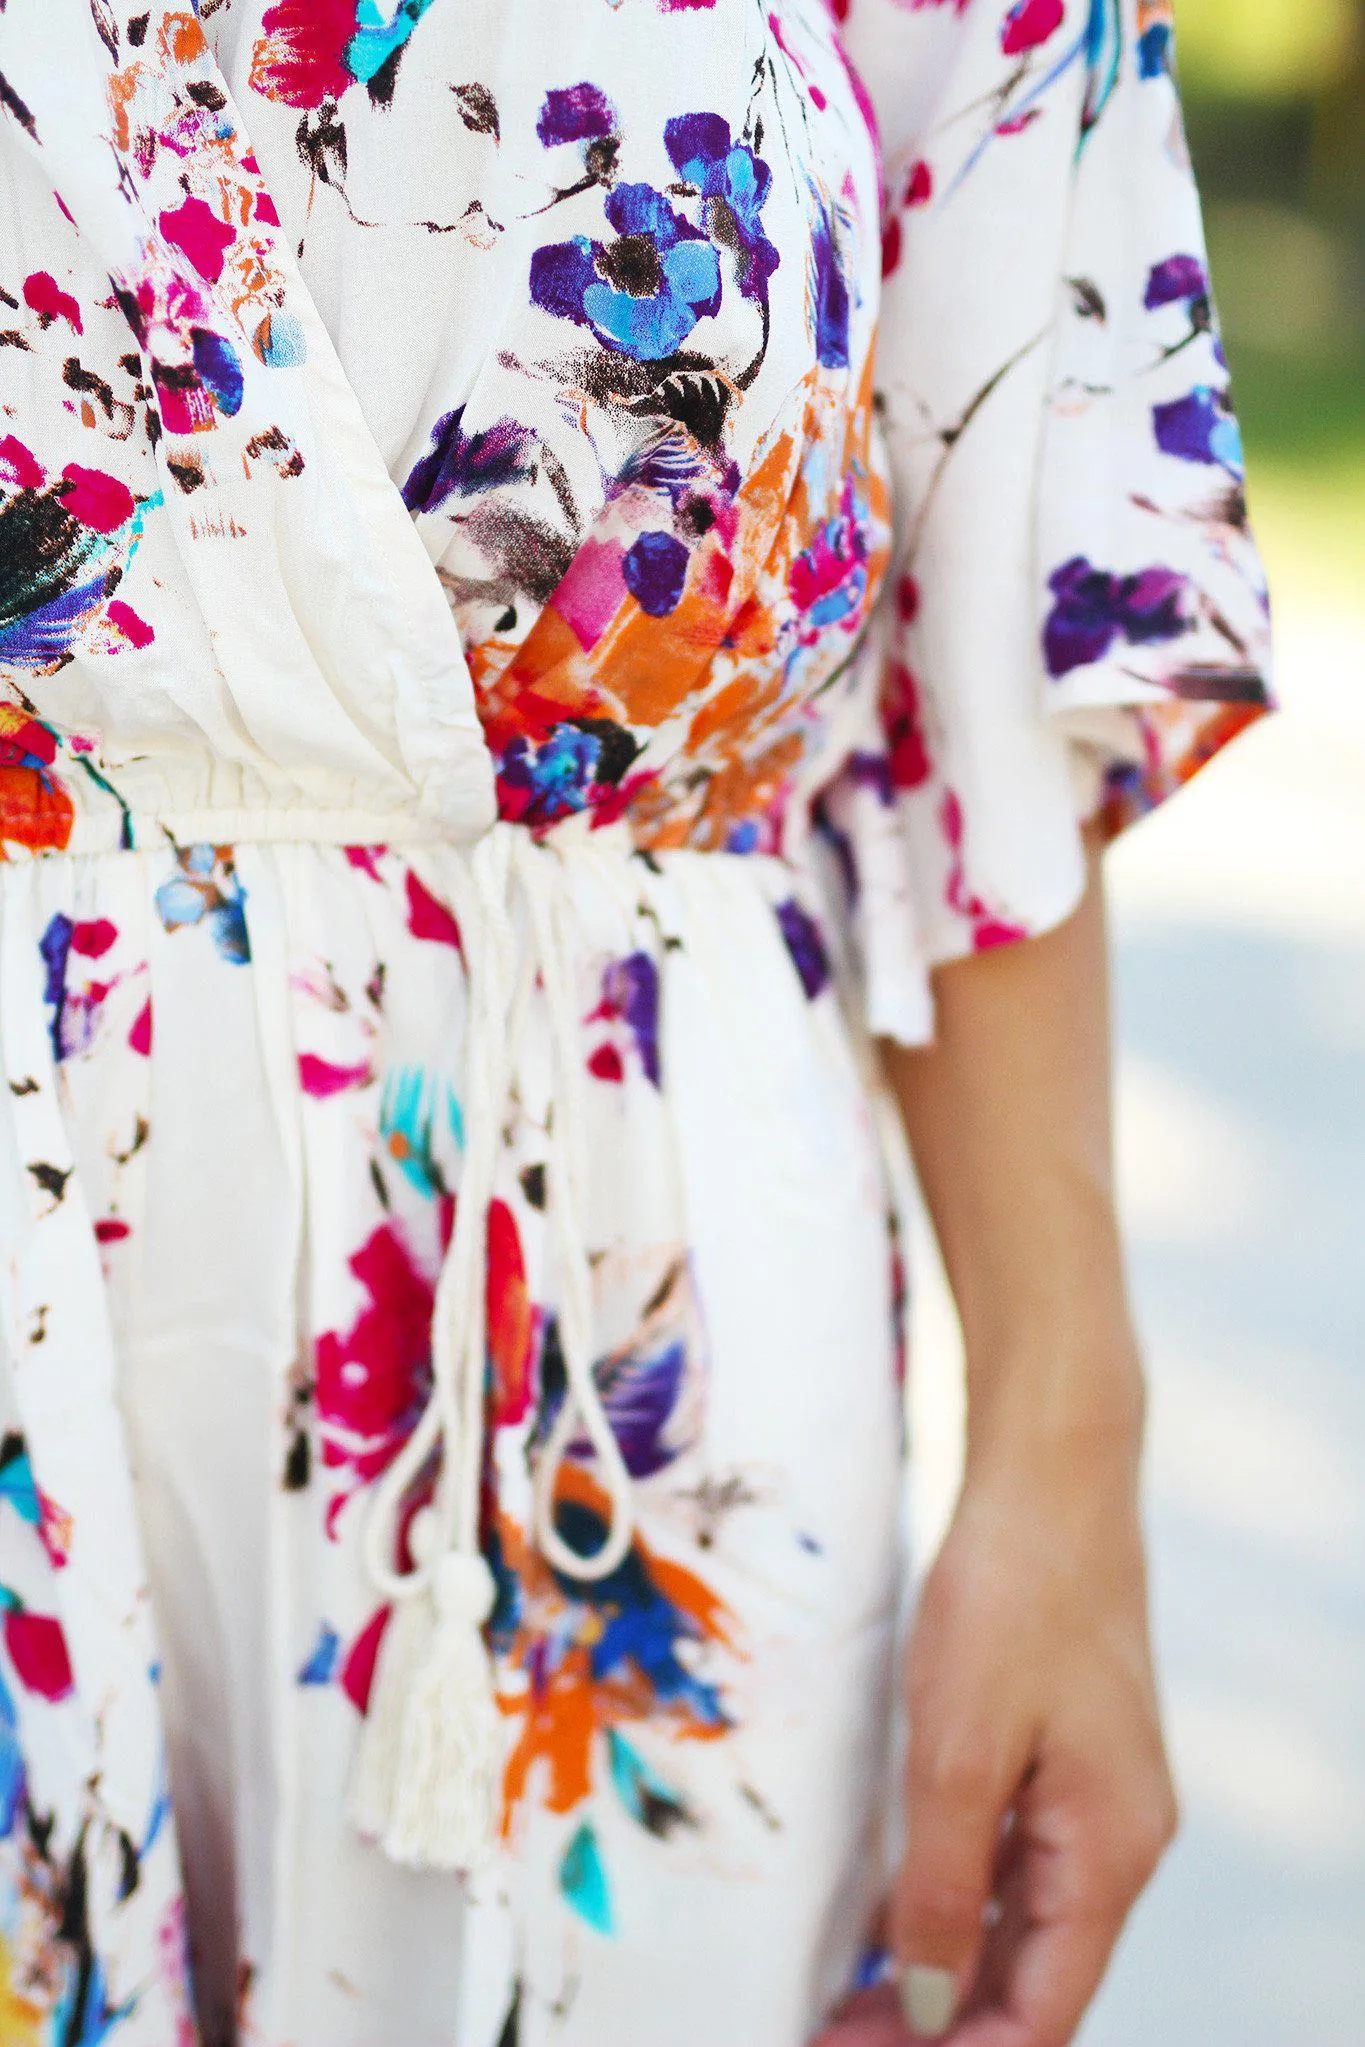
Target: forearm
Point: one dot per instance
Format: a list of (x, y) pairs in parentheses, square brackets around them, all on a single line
[(1008, 1116)]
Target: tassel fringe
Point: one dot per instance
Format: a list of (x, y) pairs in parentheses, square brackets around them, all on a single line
[(405, 1648), (426, 1777)]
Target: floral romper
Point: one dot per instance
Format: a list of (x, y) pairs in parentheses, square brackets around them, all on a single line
[(776, 461)]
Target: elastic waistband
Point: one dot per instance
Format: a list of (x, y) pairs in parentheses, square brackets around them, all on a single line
[(101, 835)]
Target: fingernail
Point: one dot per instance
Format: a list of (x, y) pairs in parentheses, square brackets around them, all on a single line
[(929, 2000)]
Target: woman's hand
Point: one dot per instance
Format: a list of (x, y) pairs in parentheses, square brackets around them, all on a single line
[(1039, 1799), (1038, 1795)]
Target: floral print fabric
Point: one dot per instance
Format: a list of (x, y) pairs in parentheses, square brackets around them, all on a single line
[(653, 414), (231, 1284), (776, 459)]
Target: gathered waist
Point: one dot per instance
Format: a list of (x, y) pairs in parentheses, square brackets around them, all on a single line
[(103, 833)]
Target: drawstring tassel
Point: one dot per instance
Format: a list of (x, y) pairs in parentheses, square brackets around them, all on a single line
[(445, 1783), (402, 1652), (426, 1771), (427, 1775)]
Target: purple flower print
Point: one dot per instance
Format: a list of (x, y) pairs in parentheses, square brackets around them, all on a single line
[(643, 293), (75, 1010), (640, 1403), (655, 570), (830, 294), (1173, 279), (1094, 608), (1199, 428), (575, 113), (459, 464), (805, 945), (630, 995), (734, 184)]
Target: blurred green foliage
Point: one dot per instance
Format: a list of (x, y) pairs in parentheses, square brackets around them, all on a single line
[(1275, 104), (1266, 49)]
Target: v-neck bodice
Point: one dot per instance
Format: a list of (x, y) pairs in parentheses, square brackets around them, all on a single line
[(416, 409)]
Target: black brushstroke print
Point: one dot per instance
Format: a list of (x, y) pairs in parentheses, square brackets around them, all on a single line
[(11, 102), (478, 110), (51, 1179), (510, 2036)]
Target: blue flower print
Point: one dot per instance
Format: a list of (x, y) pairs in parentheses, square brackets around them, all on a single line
[(734, 183), (413, 1109), (13, 1780), (642, 294), (538, 784), (1154, 50), (206, 888), (1200, 427)]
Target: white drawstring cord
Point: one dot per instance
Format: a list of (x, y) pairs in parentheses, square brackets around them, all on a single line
[(425, 1777), (424, 1781), (581, 1406)]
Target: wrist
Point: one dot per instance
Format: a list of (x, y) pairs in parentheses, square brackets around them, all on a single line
[(1058, 1407)]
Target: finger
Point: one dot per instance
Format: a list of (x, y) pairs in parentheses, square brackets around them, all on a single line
[(958, 1791), (1053, 1974), (1007, 1922), (871, 2019), (1069, 1884)]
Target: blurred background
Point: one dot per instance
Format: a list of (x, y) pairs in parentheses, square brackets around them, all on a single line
[(1239, 930)]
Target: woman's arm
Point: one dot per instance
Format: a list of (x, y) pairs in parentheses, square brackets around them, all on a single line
[(1037, 1785)]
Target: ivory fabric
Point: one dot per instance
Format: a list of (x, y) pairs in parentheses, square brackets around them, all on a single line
[(787, 522)]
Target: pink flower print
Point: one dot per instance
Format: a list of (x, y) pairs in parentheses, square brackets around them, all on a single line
[(919, 185), (1029, 24), (45, 297), (902, 722), (373, 1378), (95, 499), (512, 1318), (828, 581), (300, 58), (140, 1036), (196, 230), (93, 937), (988, 929), (607, 1064), (37, 1649), (365, 859), (20, 469), (356, 1675), (55, 1530), (126, 621), (173, 1967), (428, 917), (320, 1079)]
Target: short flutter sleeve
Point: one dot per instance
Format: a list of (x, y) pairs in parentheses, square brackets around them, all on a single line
[(1077, 619)]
